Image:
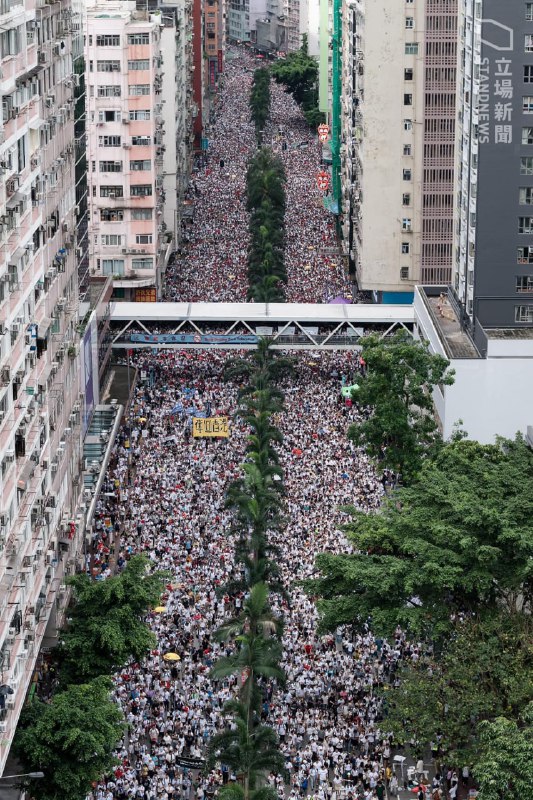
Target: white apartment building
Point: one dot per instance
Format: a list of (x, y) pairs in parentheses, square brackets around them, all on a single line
[(40, 403), (382, 142), (177, 61), (125, 148)]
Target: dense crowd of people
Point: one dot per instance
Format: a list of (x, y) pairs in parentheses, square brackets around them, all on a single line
[(212, 262), (170, 505), (164, 495)]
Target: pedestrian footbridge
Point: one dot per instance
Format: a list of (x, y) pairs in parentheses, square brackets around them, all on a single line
[(240, 325)]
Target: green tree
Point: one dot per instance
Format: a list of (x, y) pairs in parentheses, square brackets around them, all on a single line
[(400, 376), (107, 626), (251, 751), (484, 671), (71, 739), (458, 541), (504, 769), (298, 72)]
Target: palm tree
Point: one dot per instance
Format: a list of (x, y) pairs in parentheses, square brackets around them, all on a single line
[(249, 751)]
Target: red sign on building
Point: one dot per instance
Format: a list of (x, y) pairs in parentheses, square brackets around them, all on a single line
[(212, 74), (322, 180), (220, 65)]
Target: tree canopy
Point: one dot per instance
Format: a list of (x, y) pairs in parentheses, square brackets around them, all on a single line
[(107, 627), (397, 387), (459, 540), (71, 739), (484, 671), (503, 770)]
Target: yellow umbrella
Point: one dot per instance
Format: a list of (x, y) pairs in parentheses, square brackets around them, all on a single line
[(160, 609), (171, 657)]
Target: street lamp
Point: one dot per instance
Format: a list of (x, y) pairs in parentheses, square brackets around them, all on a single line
[(34, 775)]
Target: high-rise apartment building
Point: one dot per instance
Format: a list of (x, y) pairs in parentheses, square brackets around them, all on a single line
[(40, 403), (176, 54), (493, 275), (125, 142), (400, 71)]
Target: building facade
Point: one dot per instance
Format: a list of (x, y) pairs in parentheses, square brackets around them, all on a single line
[(176, 54), (125, 141), (493, 276), (40, 402), (382, 140)]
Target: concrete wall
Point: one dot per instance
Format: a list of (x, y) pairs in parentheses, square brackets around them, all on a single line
[(491, 396)]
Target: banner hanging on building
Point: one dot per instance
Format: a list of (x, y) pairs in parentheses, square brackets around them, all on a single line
[(210, 426)]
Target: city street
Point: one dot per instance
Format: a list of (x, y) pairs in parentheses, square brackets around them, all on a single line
[(172, 507), (214, 264)]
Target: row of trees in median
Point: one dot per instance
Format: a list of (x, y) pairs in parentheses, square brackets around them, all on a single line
[(247, 746), (448, 558)]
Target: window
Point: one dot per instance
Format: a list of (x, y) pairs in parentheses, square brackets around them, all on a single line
[(526, 196), (142, 263), (109, 116), (406, 224), (408, 74), (407, 174), (113, 266), (111, 191), (111, 239), (408, 124), (139, 38), (106, 40), (143, 238), (526, 165), (407, 149), (141, 213), (139, 166), (525, 225), (408, 99), (142, 190), (411, 48), (140, 114), (138, 89), (111, 214), (527, 105), (108, 66), (406, 247), (527, 135), (139, 63), (528, 73), (406, 200), (524, 255), (409, 23), (523, 314), (524, 283), (141, 140), (528, 43), (404, 273), (109, 141), (529, 12), (110, 166), (109, 91)]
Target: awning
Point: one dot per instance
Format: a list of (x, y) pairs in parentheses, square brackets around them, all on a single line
[(29, 75), (17, 255), (45, 374), (43, 327), (16, 198), (25, 475)]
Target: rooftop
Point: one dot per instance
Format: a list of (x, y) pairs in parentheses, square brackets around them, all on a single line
[(456, 340), (509, 333)]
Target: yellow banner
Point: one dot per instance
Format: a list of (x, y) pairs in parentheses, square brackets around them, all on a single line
[(210, 426)]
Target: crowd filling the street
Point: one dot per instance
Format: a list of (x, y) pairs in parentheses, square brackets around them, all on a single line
[(212, 266), (164, 496)]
